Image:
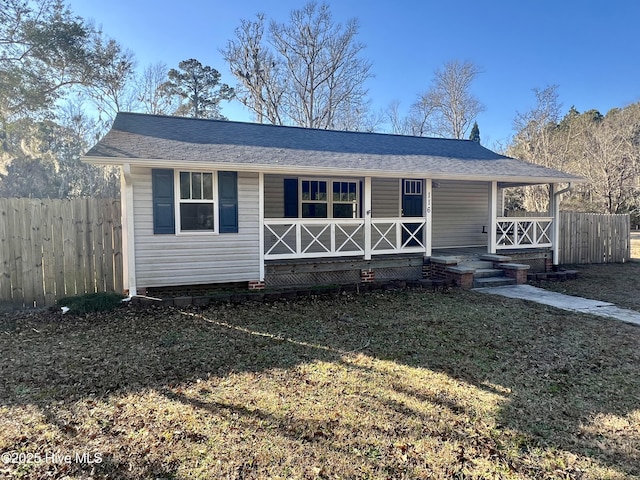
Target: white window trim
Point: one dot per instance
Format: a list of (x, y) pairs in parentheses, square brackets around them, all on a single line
[(413, 181), (301, 202), (401, 185), (329, 202), (178, 201)]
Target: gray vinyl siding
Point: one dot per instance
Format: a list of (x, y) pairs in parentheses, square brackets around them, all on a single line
[(274, 196), (385, 197), (167, 260), (460, 210)]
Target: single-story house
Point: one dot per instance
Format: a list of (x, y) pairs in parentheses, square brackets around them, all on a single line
[(210, 201)]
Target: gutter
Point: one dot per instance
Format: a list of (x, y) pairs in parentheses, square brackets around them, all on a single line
[(556, 223)]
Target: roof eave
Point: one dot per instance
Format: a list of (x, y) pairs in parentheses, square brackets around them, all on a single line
[(325, 171)]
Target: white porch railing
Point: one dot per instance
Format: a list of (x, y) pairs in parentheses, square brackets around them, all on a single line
[(313, 238), (397, 235), (524, 232)]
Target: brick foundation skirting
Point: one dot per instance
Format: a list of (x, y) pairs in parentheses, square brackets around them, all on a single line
[(367, 276), (256, 285), (548, 264), (426, 270)]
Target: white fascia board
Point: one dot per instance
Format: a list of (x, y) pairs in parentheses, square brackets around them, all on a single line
[(322, 171)]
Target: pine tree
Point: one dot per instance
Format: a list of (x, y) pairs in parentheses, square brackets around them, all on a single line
[(475, 133)]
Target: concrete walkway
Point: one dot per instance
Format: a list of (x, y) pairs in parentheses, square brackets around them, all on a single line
[(564, 302)]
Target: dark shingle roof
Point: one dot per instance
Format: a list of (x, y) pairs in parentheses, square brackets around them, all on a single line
[(139, 138)]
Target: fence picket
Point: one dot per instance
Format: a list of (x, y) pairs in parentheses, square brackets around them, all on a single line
[(107, 245), (37, 267), (58, 248), (15, 229), (6, 247), (48, 253), (118, 273)]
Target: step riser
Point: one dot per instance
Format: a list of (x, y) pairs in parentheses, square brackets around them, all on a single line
[(488, 272), (493, 282)]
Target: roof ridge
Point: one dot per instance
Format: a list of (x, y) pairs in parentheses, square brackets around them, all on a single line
[(296, 127)]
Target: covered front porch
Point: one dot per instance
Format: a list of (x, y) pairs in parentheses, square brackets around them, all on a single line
[(312, 224)]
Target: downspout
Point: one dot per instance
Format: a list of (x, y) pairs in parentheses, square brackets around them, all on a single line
[(556, 222)]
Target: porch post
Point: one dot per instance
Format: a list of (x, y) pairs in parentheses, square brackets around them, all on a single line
[(554, 212), (493, 215), (128, 242), (261, 223), (367, 218), (427, 209)]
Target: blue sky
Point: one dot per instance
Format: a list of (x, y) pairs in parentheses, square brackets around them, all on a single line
[(590, 49)]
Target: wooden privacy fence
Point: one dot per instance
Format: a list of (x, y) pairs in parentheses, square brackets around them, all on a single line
[(594, 238), (51, 249)]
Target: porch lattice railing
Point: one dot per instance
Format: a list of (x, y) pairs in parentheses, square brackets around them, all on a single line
[(526, 232), (313, 238), (397, 235)]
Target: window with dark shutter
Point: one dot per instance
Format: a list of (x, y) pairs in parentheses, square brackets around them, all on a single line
[(163, 201)]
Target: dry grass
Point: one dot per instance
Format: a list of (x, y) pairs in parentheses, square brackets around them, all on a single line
[(635, 246), (395, 385)]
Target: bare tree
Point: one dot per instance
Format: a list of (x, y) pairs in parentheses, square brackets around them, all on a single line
[(394, 118), (536, 141), (113, 67), (422, 116), (535, 127), (605, 150), (151, 90), (307, 72), (448, 108), (611, 159), (259, 72)]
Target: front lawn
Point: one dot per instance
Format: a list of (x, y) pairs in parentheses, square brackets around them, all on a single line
[(386, 386)]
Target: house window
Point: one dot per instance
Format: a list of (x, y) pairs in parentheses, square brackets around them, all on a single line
[(328, 198), (413, 187), (196, 205), (345, 199), (314, 198)]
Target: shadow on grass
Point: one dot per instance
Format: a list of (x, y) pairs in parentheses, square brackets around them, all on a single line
[(556, 371)]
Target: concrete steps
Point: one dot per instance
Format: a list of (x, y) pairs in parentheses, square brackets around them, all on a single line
[(485, 275), (479, 271)]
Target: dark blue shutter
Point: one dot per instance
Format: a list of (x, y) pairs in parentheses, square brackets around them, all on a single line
[(291, 198), (228, 200), (163, 201)]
